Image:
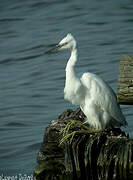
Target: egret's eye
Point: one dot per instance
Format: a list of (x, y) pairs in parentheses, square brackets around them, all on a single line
[(63, 44), (57, 47)]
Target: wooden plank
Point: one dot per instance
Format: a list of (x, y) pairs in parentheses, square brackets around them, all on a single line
[(125, 81)]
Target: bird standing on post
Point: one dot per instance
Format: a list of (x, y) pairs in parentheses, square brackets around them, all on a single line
[(95, 97)]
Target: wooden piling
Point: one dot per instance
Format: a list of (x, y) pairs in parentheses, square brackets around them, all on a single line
[(90, 156), (125, 81)]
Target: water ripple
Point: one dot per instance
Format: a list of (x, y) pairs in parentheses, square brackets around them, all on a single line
[(3, 20)]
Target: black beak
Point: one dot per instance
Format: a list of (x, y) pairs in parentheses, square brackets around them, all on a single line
[(57, 47)]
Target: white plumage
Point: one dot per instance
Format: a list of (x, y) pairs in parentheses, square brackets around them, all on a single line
[(96, 99)]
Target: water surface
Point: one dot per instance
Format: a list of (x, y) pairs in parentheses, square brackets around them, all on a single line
[(31, 91)]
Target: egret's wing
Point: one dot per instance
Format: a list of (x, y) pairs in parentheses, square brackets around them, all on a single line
[(102, 95)]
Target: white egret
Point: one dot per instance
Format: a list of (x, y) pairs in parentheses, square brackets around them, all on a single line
[(95, 97)]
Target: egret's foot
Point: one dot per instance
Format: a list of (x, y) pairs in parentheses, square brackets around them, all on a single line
[(83, 129)]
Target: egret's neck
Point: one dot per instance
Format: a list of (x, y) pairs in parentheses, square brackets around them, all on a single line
[(72, 82), (70, 72), (73, 58)]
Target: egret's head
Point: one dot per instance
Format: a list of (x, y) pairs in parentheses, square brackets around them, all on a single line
[(68, 42)]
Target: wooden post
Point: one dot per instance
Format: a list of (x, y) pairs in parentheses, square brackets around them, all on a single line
[(103, 155), (125, 81)]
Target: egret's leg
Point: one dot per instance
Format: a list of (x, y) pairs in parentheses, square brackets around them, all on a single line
[(106, 119), (93, 115)]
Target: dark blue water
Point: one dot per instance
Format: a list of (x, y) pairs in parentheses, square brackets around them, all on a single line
[(31, 83)]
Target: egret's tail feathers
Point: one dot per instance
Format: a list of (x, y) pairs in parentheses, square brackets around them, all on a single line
[(119, 123)]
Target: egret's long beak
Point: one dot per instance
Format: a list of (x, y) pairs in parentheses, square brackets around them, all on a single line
[(56, 48), (53, 49)]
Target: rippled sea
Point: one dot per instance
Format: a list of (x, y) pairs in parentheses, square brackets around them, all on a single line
[(31, 82)]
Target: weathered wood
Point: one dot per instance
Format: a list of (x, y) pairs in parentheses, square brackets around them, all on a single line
[(100, 156), (125, 81)]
